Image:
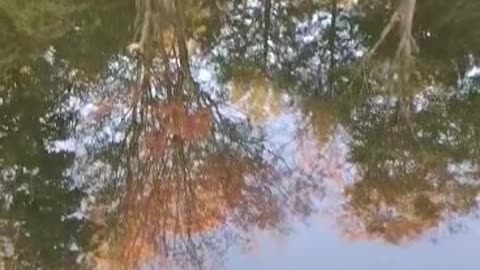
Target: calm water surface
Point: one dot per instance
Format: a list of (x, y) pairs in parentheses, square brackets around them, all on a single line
[(243, 134)]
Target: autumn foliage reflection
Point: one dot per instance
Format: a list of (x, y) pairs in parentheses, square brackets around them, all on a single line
[(189, 181), (195, 182)]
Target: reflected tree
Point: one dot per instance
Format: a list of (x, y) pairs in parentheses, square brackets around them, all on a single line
[(415, 152), (304, 47), (37, 230), (84, 34), (179, 180), (413, 176)]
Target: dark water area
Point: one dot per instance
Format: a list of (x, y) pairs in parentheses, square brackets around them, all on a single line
[(243, 134)]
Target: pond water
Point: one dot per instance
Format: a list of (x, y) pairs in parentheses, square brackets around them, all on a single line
[(243, 134)]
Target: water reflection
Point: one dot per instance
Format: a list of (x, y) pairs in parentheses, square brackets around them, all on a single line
[(184, 180), (193, 185), (37, 199), (173, 142), (413, 175)]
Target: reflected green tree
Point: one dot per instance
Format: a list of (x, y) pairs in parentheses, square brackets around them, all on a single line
[(28, 28), (304, 49), (37, 198), (85, 33), (413, 176)]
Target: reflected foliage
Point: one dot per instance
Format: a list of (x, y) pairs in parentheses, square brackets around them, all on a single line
[(36, 229), (83, 33), (182, 182), (413, 174)]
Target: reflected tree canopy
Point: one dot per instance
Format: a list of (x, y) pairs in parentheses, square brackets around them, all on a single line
[(182, 181), (413, 175), (36, 229)]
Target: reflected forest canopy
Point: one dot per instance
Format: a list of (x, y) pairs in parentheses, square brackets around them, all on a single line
[(163, 134)]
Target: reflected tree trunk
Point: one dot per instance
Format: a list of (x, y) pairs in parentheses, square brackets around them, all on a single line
[(266, 29), (403, 19), (407, 44), (332, 48)]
